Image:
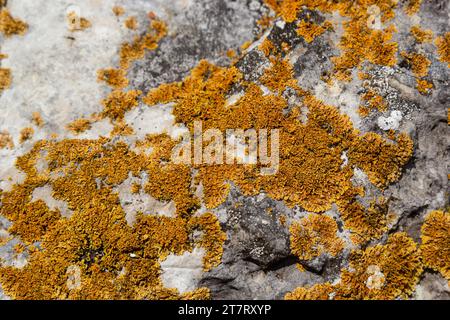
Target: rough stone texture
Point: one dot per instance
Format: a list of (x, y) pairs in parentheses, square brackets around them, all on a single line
[(257, 262)]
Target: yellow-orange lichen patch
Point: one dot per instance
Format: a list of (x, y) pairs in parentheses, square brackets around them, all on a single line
[(6, 140), (116, 78), (212, 239), (321, 291), (80, 125), (359, 43), (373, 102), (380, 272), (111, 259), (279, 76), (231, 54), (119, 102), (118, 10), (131, 23), (443, 46), (246, 45), (122, 128), (305, 156), (424, 86), (383, 271), (287, 9), (163, 94), (135, 188), (364, 223), (36, 118), (436, 242), (419, 63), (77, 23), (448, 116), (315, 235), (419, 66), (33, 220), (309, 31), (108, 258), (5, 78), (421, 36), (135, 50), (26, 134), (10, 26), (382, 161), (267, 47), (413, 6)]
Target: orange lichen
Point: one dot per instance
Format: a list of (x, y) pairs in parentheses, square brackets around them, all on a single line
[(122, 128), (33, 220), (135, 50), (279, 76), (379, 272), (231, 53), (26, 134), (267, 47), (364, 223), (359, 42), (321, 291), (424, 86), (309, 31), (80, 125), (382, 161), (5, 78), (373, 102), (77, 23), (10, 26), (421, 36), (287, 9), (131, 23), (19, 248), (315, 235), (436, 242), (118, 10), (115, 260), (36, 118), (419, 63), (264, 22), (116, 78), (397, 265), (135, 188), (413, 7), (6, 141), (419, 66), (443, 46), (212, 239), (118, 103), (363, 111), (304, 153), (282, 219)]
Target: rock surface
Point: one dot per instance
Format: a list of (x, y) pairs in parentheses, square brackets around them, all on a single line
[(54, 73)]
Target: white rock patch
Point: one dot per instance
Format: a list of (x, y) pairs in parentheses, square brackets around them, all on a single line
[(392, 122), (9, 176), (141, 202), (45, 194), (183, 272), (154, 120), (345, 100)]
